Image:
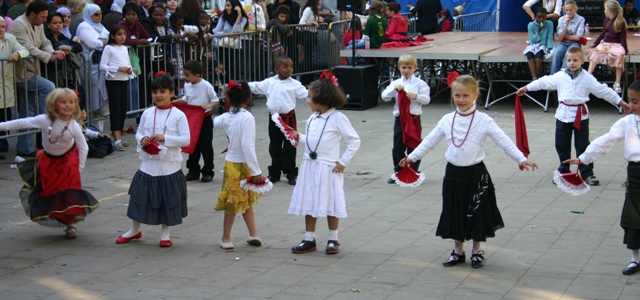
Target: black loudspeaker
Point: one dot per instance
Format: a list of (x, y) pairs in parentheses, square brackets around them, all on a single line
[(352, 5), (360, 84)]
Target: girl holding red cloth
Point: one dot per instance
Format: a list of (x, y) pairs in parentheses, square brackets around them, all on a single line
[(53, 194)]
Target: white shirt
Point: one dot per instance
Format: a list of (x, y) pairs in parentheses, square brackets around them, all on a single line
[(574, 91), (327, 144), (89, 37), (114, 57), (624, 129), (557, 9), (411, 85), (241, 130), (73, 135), (306, 18), (470, 152), (200, 93), (281, 94), (175, 127)]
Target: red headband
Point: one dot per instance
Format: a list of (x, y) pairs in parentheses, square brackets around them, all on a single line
[(452, 77), (328, 75)]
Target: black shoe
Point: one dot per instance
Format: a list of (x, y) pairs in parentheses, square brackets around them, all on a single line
[(206, 178), (32, 154), (477, 260), (304, 247), (454, 259), (292, 181), (391, 181), (273, 179), (631, 269), (333, 247), (191, 177)]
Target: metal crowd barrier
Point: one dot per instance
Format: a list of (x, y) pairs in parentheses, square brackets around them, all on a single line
[(412, 22), (482, 21)]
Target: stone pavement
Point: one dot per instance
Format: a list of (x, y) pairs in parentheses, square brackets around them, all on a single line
[(389, 248)]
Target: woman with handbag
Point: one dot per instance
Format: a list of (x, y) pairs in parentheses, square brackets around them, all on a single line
[(233, 20)]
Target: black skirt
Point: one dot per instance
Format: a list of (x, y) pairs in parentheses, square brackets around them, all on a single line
[(158, 200), (630, 218), (469, 209)]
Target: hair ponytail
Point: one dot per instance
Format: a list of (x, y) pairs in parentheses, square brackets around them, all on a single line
[(619, 23)]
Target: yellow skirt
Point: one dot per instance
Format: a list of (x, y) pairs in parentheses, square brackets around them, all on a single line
[(233, 199)]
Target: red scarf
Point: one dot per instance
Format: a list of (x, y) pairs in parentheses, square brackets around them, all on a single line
[(195, 116), (411, 127), (522, 141), (582, 110)]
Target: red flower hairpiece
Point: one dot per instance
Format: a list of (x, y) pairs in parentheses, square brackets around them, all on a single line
[(583, 41), (232, 83), (76, 92), (328, 75), (158, 74), (452, 77)]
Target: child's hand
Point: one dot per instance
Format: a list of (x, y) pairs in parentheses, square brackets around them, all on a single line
[(145, 141), (338, 168), (521, 91), (258, 179), (572, 161), (124, 69), (399, 87), (625, 107), (296, 136), (405, 162), (412, 96), (158, 137), (143, 42), (529, 164), (104, 135)]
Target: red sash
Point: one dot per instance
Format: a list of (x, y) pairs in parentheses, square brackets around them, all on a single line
[(582, 110), (290, 119)]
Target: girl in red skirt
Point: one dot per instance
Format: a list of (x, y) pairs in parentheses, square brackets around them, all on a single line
[(52, 194)]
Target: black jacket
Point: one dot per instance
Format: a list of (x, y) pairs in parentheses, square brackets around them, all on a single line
[(427, 11)]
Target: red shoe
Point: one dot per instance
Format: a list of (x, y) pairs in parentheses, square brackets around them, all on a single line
[(165, 243), (124, 240)]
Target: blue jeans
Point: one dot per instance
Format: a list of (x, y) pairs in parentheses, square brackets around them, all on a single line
[(359, 45), (41, 87), (557, 57)]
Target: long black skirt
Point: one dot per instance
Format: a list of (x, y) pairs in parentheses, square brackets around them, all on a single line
[(630, 218), (469, 209)]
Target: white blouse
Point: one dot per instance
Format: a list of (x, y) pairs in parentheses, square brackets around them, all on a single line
[(175, 127), (114, 57), (411, 85), (626, 129), (323, 133), (468, 138), (241, 130), (63, 141), (281, 94)]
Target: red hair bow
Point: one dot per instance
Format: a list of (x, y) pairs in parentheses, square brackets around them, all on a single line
[(158, 74), (328, 75), (583, 41), (232, 83), (76, 92), (452, 77)]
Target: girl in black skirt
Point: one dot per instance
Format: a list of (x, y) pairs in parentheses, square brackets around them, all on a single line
[(626, 129), (469, 209)]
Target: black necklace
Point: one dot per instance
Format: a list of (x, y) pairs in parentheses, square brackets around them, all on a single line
[(313, 154)]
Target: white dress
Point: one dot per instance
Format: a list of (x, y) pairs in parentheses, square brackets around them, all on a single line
[(319, 191)]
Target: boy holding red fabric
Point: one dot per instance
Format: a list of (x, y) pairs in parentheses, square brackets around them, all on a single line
[(410, 93)]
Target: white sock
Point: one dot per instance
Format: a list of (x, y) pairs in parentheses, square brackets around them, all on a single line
[(165, 233), (635, 256), (310, 236), (135, 228), (333, 235)]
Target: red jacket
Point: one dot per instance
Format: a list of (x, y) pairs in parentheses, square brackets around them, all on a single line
[(397, 25)]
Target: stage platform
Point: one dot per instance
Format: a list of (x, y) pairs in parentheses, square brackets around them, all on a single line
[(489, 56)]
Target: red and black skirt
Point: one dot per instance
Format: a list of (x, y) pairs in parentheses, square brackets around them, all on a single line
[(52, 193)]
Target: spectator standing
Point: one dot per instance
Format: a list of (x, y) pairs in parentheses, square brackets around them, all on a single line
[(114, 15), (427, 11), (77, 8)]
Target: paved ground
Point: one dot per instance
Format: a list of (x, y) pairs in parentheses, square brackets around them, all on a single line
[(389, 248)]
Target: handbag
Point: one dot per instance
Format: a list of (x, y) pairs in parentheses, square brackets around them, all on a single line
[(157, 53), (135, 62), (228, 42)]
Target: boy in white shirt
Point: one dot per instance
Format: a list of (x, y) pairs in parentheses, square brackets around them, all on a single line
[(417, 94), (200, 93), (572, 117)]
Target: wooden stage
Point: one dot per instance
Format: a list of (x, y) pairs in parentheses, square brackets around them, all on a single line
[(489, 56)]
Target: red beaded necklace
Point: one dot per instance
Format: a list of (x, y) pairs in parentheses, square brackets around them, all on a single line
[(473, 115)]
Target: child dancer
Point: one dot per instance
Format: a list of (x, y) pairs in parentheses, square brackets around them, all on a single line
[(625, 129), (58, 192), (320, 191), (240, 163), (200, 93), (116, 66), (158, 192), (281, 91), (417, 93), (469, 208), (572, 117), (540, 41), (613, 49)]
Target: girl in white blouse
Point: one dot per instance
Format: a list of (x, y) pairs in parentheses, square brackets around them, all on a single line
[(319, 192), (469, 209), (55, 195)]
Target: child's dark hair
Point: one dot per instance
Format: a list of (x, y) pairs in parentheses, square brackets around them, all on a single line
[(194, 66), (175, 17), (280, 59), (202, 13), (112, 33), (540, 10), (282, 9), (324, 92), (357, 23), (163, 81), (131, 6), (394, 7), (238, 93), (635, 86)]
